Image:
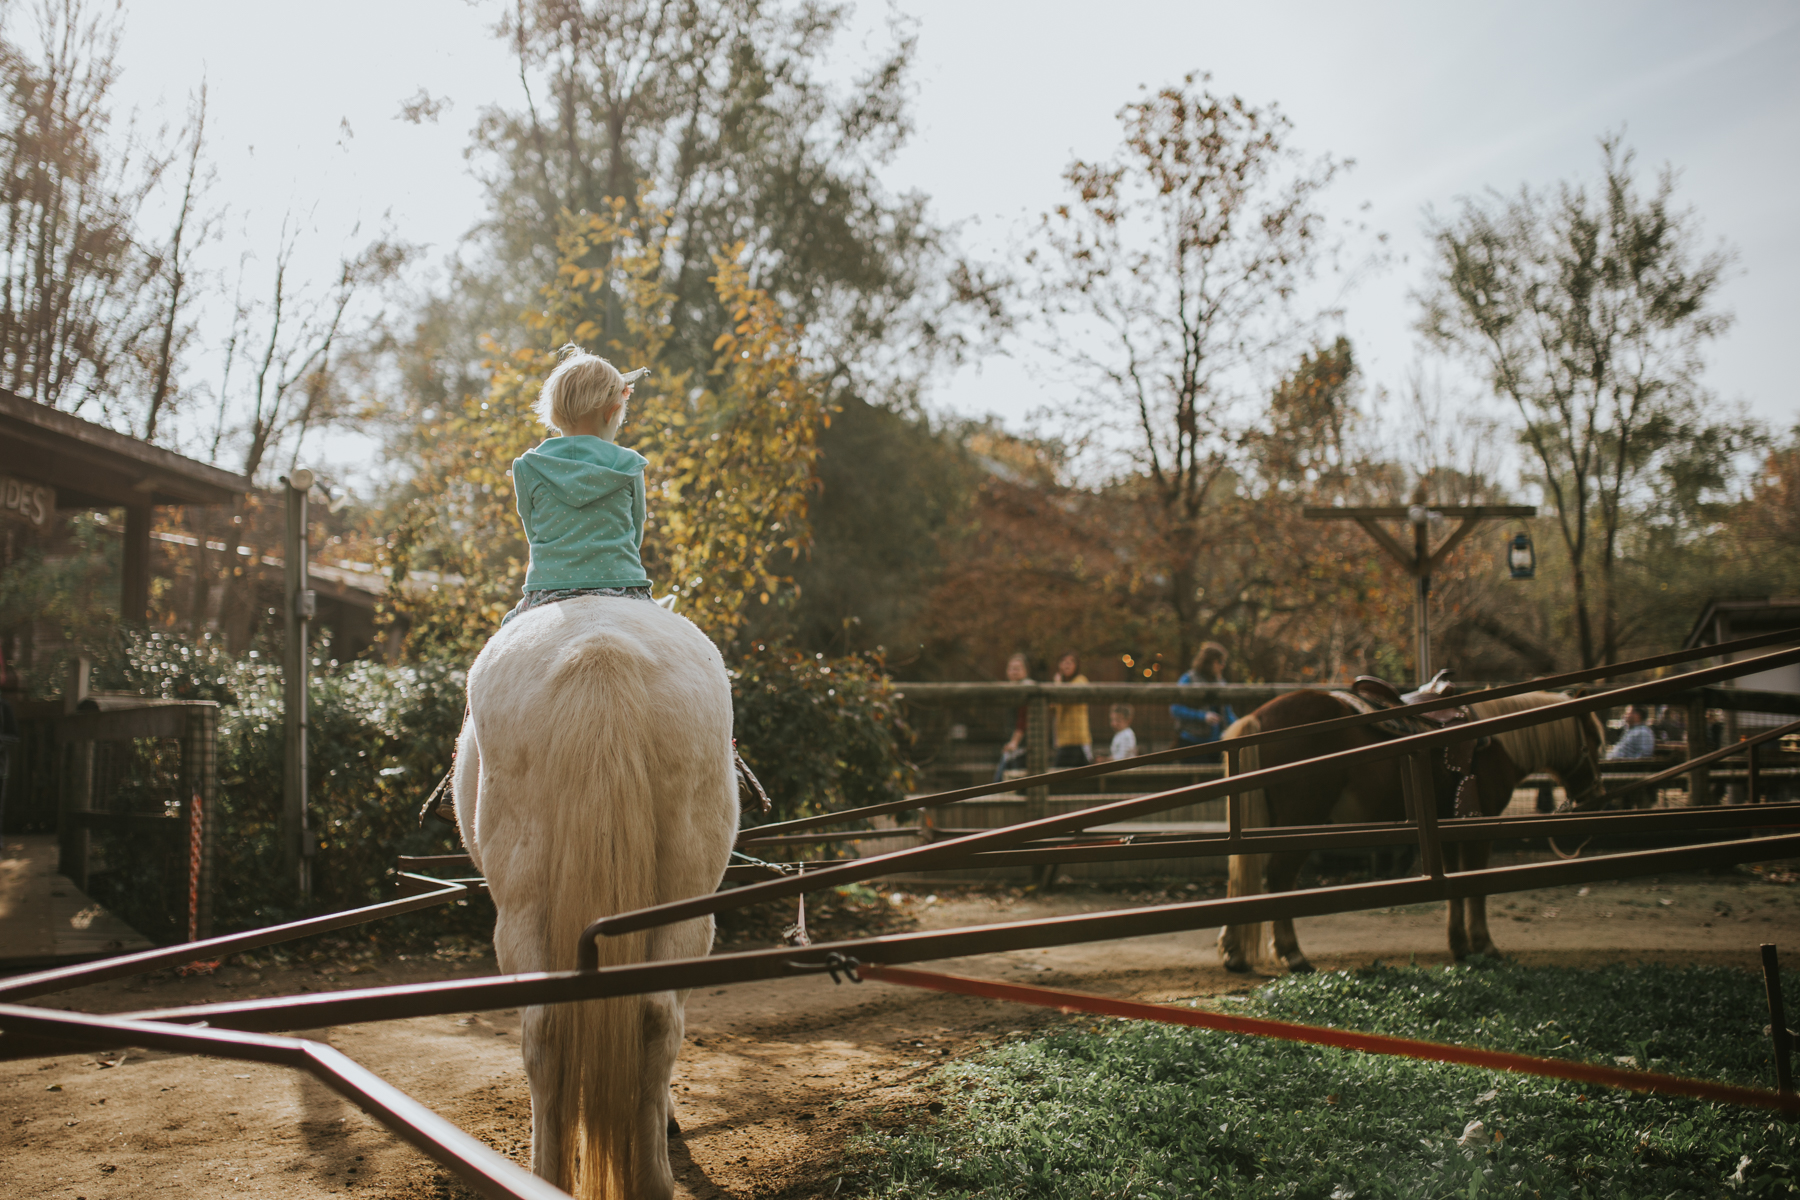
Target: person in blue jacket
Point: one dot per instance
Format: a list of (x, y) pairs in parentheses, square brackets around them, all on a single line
[(580, 494), (1197, 726)]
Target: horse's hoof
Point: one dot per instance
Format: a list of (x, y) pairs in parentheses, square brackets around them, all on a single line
[(1299, 966), (674, 1127), (1238, 966)]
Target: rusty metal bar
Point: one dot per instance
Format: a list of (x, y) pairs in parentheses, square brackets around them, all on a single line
[(1355, 720), (1421, 802), (61, 979), (489, 1172), (855, 835), (929, 857), (1140, 847), (317, 1010)]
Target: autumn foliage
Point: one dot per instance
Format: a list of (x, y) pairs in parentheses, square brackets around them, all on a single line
[(731, 452)]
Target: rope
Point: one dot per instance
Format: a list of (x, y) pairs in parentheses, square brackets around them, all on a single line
[(1343, 1039)]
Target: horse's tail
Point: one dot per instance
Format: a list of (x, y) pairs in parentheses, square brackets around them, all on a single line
[(1256, 941), (605, 864)]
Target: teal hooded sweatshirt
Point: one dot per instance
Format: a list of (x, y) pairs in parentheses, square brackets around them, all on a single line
[(581, 500)]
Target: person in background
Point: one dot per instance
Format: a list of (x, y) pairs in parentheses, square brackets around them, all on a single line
[(1197, 726), (1012, 755), (1637, 742), (1074, 744), (1124, 743)]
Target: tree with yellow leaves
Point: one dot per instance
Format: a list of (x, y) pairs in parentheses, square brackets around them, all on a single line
[(731, 455)]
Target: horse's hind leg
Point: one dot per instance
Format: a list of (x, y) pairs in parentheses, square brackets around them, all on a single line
[(549, 1122), (662, 1031), (1284, 869)]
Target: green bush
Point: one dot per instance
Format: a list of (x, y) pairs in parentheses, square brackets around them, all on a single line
[(1158, 1112), (820, 733), (380, 738)]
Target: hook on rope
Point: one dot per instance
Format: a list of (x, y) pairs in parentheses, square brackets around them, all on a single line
[(833, 965)]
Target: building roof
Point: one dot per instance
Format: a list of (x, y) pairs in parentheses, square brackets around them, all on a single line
[(1743, 617), (91, 466)]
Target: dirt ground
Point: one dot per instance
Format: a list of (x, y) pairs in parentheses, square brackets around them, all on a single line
[(775, 1076)]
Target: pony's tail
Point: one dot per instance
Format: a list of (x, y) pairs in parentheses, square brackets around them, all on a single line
[(1256, 941), (606, 867)]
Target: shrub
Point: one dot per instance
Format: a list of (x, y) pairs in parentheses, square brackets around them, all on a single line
[(821, 733)]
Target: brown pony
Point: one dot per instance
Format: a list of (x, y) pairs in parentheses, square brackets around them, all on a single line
[(1371, 792)]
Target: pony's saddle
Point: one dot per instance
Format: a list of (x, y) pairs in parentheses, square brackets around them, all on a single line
[(1370, 694)]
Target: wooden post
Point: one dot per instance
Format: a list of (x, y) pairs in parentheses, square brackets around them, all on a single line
[(75, 773), (1778, 1026), (1421, 561), (134, 589), (1037, 753), (1421, 569), (296, 838), (1700, 778)]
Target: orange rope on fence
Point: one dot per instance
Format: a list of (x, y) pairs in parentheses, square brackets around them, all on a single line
[(1344, 1039)]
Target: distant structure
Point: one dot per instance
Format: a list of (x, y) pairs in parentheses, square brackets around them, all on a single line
[(54, 464), (1726, 620)]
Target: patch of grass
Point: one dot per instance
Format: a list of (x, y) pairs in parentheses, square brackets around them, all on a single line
[(1138, 1110)]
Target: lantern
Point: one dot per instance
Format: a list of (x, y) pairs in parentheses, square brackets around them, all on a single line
[(1521, 560)]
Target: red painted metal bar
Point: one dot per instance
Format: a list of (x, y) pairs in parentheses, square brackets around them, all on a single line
[(511, 991), (1343, 1039), (487, 1171), (61, 979), (921, 858), (1549, 683)]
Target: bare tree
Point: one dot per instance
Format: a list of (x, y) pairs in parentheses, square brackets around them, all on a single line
[(73, 278), (1166, 283), (177, 267), (1588, 312), (299, 330)]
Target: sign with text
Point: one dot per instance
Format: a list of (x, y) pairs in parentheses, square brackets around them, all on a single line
[(33, 502)]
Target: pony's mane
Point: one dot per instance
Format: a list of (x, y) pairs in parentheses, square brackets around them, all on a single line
[(1545, 747)]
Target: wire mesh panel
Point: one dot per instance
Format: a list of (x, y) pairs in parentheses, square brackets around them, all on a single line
[(136, 788)]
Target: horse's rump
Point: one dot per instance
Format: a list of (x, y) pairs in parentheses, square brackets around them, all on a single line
[(603, 728)]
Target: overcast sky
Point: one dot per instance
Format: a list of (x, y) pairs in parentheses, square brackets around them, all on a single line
[(1433, 101)]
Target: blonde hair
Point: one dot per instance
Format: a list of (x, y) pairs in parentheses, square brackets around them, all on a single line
[(581, 384)]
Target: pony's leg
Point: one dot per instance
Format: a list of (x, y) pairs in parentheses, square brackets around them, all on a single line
[(1475, 858), (1284, 869)]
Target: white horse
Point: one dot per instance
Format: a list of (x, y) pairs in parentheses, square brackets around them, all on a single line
[(593, 776)]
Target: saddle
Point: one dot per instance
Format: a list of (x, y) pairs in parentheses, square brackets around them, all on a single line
[(1370, 693)]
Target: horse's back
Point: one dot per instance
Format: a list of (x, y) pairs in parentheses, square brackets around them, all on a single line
[(606, 781)]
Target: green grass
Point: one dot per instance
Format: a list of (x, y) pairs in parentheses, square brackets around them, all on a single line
[(1139, 1110)]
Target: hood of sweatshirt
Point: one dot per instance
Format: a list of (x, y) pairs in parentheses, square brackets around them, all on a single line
[(581, 469)]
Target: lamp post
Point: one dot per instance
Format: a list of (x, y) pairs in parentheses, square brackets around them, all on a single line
[(297, 613), (1421, 561)]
